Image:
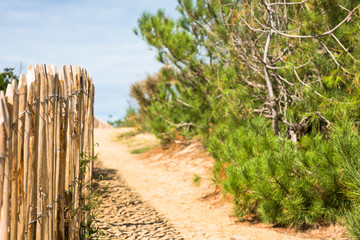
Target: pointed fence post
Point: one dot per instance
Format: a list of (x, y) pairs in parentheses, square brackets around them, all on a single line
[(34, 192), (29, 158), (41, 171), (22, 89), (63, 106), (57, 129), (13, 104), (6, 165), (26, 153), (77, 149), (50, 102)]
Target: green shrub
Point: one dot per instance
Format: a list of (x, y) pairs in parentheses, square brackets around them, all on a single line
[(274, 180), (346, 142)]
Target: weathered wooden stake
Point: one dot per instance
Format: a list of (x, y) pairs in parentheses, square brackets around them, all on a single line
[(57, 123), (20, 155), (41, 171), (34, 192), (63, 151), (5, 161), (50, 101), (29, 173), (13, 104), (78, 121)]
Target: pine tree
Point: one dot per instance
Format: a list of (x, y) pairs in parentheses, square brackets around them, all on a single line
[(264, 83)]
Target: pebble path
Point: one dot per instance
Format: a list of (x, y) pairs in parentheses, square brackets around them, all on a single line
[(122, 214)]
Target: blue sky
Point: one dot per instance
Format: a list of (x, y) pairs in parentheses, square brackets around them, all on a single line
[(97, 35)]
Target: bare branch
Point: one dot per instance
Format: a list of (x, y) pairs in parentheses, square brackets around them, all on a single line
[(342, 46), (255, 85), (303, 65), (287, 3), (274, 68), (251, 28), (307, 85), (179, 125), (298, 78), (281, 55), (344, 8), (184, 103), (319, 35), (332, 56), (274, 112), (283, 79), (204, 27)]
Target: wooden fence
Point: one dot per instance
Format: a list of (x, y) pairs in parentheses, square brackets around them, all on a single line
[(46, 138)]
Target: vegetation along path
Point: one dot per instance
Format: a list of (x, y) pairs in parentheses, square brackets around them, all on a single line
[(152, 197)]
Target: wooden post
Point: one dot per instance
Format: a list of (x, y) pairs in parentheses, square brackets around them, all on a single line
[(5, 162), (57, 129), (20, 155), (51, 82), (27, 130), (13, 104), (3, 139), (62, 158), (46, 178), (92, 143), (71, 134), (41, 171), (29, 186), (27, 133), (86, 136), (78, 121), (33, 192), (70, 122)]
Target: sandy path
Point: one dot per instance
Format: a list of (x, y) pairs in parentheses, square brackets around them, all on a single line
[(171, 192), (124, 215)]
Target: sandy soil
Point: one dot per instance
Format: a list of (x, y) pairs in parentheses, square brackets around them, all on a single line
[(164, 181), (123, 214)]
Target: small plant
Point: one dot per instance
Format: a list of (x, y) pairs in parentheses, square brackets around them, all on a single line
[(197, 180), (89, 203), (127, 135), (89, 200), (140, 150)]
